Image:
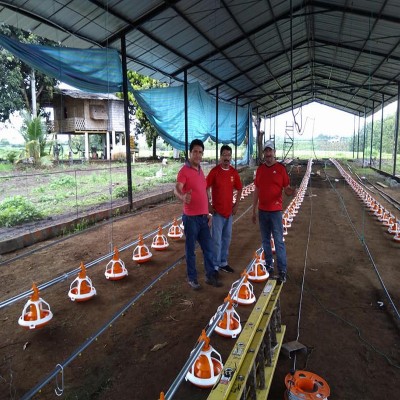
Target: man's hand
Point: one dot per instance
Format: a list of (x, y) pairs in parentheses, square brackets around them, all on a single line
[(235, 207), (254, 218), (290, 191), (187, 197)]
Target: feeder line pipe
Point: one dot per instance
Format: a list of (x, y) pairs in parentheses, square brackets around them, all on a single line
[(66, 275), (89, 341), (387, 197), (60, 367), (364, 244), (84, 346), (196, 351), (27, 253)]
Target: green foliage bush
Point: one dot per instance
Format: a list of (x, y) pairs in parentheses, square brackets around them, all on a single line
[(12, 156), (62, 181), (120, 192), (17, 210)]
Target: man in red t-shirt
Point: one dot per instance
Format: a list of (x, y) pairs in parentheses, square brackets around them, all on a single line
[(191, 189), (222, 180), (271, 179)]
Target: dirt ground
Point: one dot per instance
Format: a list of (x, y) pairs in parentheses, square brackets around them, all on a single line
[(333, 303)]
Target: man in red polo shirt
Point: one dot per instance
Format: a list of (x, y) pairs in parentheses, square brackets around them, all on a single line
[(271, 179), (223, 179), (191, 188)]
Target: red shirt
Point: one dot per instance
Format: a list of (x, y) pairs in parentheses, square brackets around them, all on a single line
[(270, 182), (195, 181), (222, 182)]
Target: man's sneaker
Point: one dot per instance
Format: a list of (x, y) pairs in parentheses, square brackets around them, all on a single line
[(194, 285), (227, 268), (281, 278), (213, 281)]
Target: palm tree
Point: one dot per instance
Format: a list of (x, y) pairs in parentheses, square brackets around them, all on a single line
[(34, 132)]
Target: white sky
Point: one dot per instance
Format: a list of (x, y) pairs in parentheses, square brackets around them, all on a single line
[(316, 119)]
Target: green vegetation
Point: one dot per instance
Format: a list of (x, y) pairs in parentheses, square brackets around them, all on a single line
[(72, 191), (17, 210), (142, 123), (16, 77), (120, 192), (34, 132), (6, 168), (164, 299)]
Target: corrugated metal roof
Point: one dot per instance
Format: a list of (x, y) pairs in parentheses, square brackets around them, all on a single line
[(262, 52), (78, 94)]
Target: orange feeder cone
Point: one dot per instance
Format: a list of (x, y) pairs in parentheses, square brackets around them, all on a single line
[(36, 312), (175, 231), (81, 289), (307, 386), (287, 220), (207, 368), (394, 227), (115, 269), (387, 218), (229, 325), (160, 241), (285, 226), (257, 271), (379, 212), (141, 254), (245, 294), (375, 207)]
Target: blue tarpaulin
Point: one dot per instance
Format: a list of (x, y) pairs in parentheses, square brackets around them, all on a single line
[(100, 70), (93, 70), (165, 108)]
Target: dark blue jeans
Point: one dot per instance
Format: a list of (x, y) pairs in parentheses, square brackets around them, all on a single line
[(196, 229), (221, 235), (271, 223)]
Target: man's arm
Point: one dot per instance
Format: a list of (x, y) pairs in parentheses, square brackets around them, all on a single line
[(238, 197), (289, 191), (184, 197), (255, 203)]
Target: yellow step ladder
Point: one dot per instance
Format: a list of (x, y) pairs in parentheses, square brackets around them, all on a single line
[(249, 369)]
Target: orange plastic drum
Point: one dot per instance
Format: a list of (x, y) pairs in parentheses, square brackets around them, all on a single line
[(306, 386)]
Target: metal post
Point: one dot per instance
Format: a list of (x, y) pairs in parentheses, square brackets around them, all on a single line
[(216, 125), (364, 136), (372, 132), (358, 135), (186, 116), (380, 146), (396, 130), (354, 136), (127, 122), (236, 131)]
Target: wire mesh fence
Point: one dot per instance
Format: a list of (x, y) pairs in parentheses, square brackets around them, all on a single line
[(76, 190)]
